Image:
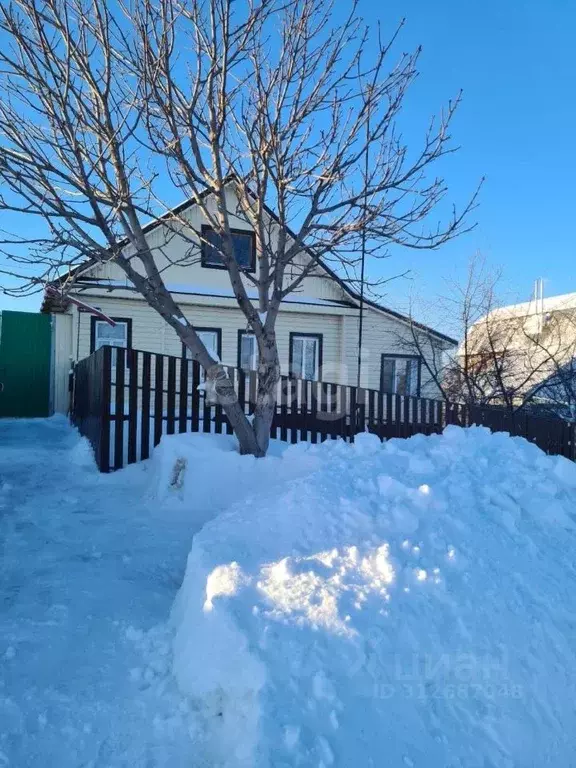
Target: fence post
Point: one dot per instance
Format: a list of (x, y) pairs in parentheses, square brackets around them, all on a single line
[(120, 354), (145, 426), (183, 401), (171, 397), (304, 409), (103, 459), (158, 397), (133, 358), (352, 410)]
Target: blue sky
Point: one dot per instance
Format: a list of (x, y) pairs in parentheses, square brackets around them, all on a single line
[(516, 63)]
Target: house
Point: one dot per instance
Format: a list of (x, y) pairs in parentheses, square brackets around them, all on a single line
[(317, 327), (525, 352)]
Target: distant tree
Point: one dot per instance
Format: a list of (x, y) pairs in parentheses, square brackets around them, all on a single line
[(550, 343), (108, 111), (495, 362)]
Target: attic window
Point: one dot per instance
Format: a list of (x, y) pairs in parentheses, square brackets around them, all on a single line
[(243, 244)]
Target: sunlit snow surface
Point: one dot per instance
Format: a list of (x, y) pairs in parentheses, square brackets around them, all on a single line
[(410, 604)]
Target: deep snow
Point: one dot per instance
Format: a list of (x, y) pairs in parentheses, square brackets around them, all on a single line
[(410, 604), (90, 565), (88, 562)]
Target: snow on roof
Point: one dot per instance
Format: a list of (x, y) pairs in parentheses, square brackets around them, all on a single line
[(539, 306)]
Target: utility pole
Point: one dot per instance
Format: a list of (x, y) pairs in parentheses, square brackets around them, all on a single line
[(363, 252)]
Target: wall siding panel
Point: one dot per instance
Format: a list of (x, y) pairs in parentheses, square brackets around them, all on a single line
[(382, 334)]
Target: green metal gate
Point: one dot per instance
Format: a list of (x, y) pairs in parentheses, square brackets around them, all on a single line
[(25, 342)]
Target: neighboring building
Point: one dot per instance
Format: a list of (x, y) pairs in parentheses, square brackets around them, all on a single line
[(317, 327), (527, 350)]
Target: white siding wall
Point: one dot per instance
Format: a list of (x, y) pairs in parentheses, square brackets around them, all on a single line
[(178, 257), (382, 334), (151, 333), (61, 362)]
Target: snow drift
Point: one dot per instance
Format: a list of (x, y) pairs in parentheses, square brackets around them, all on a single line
[(405, 604)]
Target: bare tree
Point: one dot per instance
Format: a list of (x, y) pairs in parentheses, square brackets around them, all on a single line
[(496, 362), (549, 343), (109, 110)]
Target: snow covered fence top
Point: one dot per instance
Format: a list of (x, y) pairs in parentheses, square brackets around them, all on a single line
[(404, 604)]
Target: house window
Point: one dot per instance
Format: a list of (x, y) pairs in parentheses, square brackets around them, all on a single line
[(103, 334), (400, 374), (247, 351), (212, 340), (244, 249), (306, 355)]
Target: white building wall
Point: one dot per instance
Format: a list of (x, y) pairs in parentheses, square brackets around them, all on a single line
[(178, 257), (381, 334), (152, 334), (61, 362), (339, 329)]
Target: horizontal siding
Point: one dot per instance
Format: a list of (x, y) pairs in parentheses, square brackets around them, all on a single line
[(61, 362), (178, 258), (339, 325), (382, 334), (151, 333)]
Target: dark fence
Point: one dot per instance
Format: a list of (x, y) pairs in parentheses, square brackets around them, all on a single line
[(91, 403), (125, 400)]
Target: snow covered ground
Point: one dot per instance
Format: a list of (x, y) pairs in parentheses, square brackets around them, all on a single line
[(410, 604), (87, 562)]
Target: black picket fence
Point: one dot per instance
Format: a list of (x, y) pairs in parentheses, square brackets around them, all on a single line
[(125, 400)]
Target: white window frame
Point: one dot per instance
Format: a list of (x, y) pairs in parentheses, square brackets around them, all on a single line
[(254, 353), (203, 333), (97, 343), (307, 339), (416, 362)]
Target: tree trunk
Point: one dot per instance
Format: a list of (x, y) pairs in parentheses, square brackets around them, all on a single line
[(225, 394), (268, 377)]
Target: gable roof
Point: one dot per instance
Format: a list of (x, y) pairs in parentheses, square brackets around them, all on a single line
[(354, 295)]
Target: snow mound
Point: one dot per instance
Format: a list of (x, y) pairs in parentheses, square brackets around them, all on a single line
[(205, 474), (405, 604)]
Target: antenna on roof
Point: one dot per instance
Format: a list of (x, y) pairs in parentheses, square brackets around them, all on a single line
[(539, 294), (542, 295)]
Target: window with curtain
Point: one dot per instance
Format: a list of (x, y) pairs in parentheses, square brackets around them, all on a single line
[(400, 374), (305, 354), (244, 248), (248, 351)]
